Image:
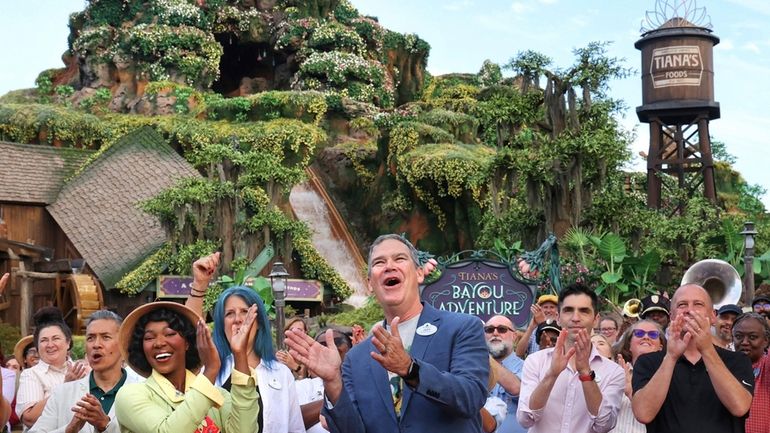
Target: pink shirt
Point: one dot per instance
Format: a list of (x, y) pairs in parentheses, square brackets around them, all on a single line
[(566, 410)]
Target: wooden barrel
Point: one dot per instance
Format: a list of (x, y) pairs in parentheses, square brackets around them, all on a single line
[(678, 70)]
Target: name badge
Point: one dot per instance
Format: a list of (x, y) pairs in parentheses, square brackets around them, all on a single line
[(426, 329)]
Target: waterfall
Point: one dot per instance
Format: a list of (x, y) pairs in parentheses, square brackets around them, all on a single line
[(310, 207)]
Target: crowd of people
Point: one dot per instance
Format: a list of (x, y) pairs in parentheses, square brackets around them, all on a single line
[(681, 366)]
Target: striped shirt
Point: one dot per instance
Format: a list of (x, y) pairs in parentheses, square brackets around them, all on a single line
[(36, 383), (627, 423)]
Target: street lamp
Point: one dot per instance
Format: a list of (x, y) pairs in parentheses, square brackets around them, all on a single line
[(748, 261), (278, 276)]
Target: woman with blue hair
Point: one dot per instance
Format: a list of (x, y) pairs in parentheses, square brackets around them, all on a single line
[(280, 406)]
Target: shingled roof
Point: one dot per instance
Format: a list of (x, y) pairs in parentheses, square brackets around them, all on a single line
[(35, 173), (98, 209)]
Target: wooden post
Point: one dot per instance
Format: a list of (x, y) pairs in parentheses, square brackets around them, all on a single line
[(653, 165), (709, 186), (26, 298), (27, 275)]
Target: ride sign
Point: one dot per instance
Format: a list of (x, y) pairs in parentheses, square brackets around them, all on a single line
[(482, 288)]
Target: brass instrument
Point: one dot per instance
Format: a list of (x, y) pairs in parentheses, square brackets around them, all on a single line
[(632, 308), (719, 278)]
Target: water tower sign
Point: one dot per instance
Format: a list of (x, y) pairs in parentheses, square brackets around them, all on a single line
[(676, 66)]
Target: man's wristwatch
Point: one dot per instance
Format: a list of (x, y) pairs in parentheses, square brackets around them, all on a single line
[(413, 373), (587, 377)]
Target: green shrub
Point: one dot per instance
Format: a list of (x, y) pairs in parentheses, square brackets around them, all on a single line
[(9, 335)]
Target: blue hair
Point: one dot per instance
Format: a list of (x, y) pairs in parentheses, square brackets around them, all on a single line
[(263, 343)]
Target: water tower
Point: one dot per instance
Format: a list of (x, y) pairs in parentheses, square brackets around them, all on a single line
[(678, 97)]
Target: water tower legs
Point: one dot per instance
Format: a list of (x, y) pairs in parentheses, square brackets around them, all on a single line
[(683, 150)]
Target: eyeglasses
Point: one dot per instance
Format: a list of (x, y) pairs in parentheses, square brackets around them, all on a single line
[(761, 307), (608, 329), (500, 329), (640, 333)]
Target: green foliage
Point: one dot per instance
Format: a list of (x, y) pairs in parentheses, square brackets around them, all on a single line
[(308, 106), (622, 274), (354, 76), (26, 123), (365, 316), (63, 93), (719, 152), (106, 12), (153, 266), (188, 191), (489, 74), (508, 253), (181, 262), (530, 64), (462, 126), (345, 12), (9, 335), (78, 347), (445, 170), (332, 35), (162, 51), (364, 125), (97, 103), (44, 83), (315, 266), (410, 43)]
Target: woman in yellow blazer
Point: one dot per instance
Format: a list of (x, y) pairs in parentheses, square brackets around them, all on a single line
[(167, 343)]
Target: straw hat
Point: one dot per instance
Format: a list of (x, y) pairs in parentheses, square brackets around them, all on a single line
[(18, 349), (548, 298), (127, 328)]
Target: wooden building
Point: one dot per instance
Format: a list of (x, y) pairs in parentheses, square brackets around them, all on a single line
[(60, 205)]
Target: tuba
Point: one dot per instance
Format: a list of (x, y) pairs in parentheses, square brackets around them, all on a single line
[(719, 278), (632, 307)]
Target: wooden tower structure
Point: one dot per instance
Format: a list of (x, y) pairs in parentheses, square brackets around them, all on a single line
[(678, 99)]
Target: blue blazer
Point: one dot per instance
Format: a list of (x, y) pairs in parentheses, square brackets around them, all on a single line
[(454, 369)]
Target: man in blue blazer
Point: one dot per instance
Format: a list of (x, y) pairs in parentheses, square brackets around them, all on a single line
[(423, 370)]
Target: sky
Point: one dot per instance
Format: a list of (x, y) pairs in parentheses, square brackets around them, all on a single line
[(464, 33)]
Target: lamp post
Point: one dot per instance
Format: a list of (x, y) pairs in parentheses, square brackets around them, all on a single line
[(748, 261), (278, 276)]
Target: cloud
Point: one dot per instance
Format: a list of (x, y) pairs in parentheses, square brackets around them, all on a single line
[(579, 21), (548, 2), (751, 46)]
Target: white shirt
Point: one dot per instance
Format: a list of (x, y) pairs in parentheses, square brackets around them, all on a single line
[(280, 407), (497, 408), (9, 386), (36, 383), (58, 409), (308, 391)]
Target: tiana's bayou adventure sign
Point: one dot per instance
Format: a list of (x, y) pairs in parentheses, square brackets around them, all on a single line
[(483, 288)]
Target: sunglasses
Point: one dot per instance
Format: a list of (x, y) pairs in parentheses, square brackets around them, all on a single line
[(500, 329), (640, 333), (761, 307)]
